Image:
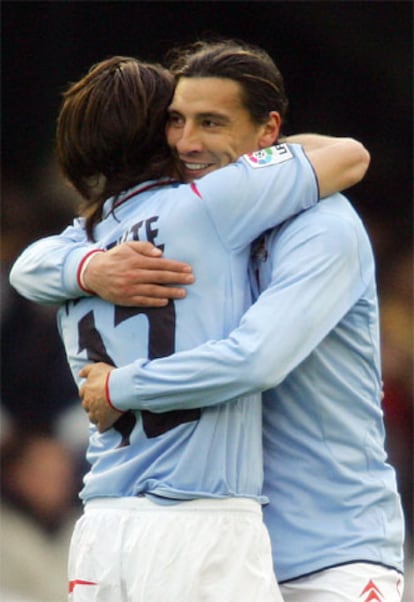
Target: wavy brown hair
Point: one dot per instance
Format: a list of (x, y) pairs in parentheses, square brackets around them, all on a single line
[(110, 131)]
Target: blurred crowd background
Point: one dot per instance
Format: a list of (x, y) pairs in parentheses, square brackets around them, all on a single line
[(348, 71)]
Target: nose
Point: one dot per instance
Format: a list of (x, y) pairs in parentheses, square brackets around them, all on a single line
[(189, 140)]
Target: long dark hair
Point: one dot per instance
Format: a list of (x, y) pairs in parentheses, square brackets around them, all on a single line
[(110, 131)]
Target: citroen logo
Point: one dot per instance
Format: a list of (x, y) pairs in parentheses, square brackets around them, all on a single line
[(372, 593)]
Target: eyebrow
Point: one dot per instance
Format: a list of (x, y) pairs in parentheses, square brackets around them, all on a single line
[(203, 115)]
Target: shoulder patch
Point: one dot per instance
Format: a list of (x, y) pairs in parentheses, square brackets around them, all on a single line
[(273, 155)]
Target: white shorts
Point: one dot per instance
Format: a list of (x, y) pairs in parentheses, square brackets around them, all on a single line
[(133, 550), (355, 582)]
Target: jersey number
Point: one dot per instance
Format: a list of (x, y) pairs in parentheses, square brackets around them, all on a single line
[(161, 323)]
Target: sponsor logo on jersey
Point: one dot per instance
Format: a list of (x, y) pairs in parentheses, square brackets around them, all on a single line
[(273, 155), (371, 593)]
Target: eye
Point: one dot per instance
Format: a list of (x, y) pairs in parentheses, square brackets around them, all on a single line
[(175, 119), (210, 123)]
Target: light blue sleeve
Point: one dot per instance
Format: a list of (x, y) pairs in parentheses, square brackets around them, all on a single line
[(316, 279), (264, 191), (46, 271), (258, 192)]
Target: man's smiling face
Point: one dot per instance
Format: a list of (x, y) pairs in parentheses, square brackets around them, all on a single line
[(209, 127)]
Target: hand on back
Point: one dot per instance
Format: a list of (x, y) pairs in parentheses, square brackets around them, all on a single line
[(136, 274)]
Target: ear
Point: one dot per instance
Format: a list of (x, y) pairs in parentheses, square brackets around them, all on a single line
[(270, 130)]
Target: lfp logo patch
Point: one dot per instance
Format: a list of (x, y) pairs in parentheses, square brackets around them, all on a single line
[(269, 156)]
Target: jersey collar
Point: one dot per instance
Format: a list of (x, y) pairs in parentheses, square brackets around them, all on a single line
[(143, 187)]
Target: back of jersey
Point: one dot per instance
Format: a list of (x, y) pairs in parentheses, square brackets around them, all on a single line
[(215, 452)]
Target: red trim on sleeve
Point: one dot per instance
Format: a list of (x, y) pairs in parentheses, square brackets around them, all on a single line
[(80, 268), (195, 189), (107, 395)]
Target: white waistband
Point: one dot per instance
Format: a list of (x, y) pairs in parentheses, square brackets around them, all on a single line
[(144, 504)]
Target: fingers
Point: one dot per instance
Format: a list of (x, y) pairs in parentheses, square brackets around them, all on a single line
[(171, 267), (148, 301), (92, 418), (84, 372), (147, 276), (142, 276), (101, 424), (135, 297), (169, 277), (135, 255), (152, 295), (145, 248), (150, 257)]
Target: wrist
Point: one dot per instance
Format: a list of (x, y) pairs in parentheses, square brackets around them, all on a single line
[(108, 396), (82, 269)]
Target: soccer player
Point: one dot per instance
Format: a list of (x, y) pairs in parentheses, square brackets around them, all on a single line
[(311, 339), (34, 287), (169, 497)]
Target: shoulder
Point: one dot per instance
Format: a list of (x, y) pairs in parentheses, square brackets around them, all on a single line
[(331, 227)]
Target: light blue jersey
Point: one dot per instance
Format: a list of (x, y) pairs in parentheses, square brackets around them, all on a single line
[(333, 495), (214, 452), (313, 334)]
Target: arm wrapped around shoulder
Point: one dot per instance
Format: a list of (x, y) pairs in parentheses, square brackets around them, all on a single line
[(339, 163)]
